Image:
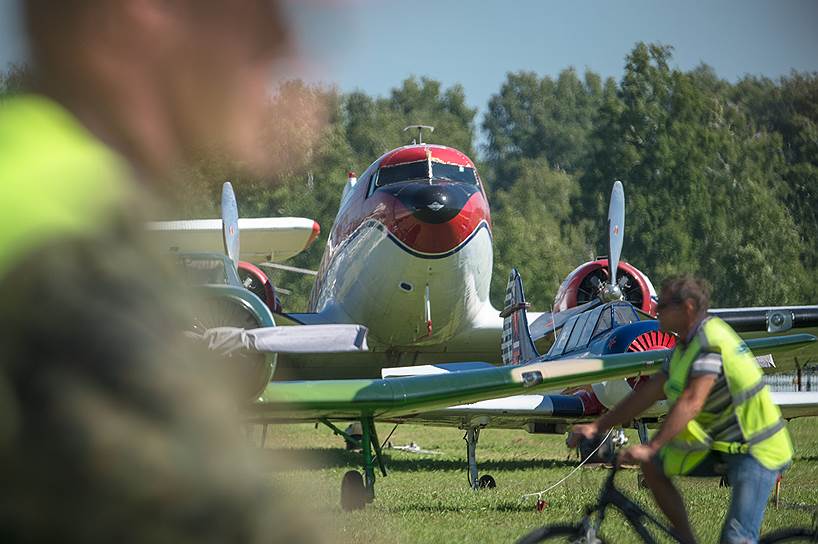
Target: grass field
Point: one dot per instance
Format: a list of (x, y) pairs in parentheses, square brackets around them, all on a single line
[(426, 498)]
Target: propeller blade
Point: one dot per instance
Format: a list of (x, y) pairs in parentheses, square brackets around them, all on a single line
[(547, 322), (230, 223), (616, 226), (303, 339)]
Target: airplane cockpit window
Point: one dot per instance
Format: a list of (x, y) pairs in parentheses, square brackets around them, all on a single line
[(420, 171), (402, 172), (604, 323), (624, 314), (562, 339), (581, 329), (454, 172), (576, 335), (590, 325)]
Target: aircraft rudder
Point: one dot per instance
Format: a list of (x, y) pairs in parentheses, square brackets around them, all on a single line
[(516, 344)]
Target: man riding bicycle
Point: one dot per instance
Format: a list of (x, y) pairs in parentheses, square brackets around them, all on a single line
[(722, 418)]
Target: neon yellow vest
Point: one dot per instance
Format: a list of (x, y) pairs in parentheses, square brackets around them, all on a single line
[(763, 431), (56, 179)]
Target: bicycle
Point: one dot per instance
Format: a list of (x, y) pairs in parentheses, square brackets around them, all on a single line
[(587, 530)]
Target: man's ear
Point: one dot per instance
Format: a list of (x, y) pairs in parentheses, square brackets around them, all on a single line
[(690, 308)]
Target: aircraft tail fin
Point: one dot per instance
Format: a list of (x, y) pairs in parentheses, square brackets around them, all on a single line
[(516, 344)]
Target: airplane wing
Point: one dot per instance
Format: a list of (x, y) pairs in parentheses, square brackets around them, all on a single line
[(394, 397), (262, 238), (551, 412), (770, 319), (797, 403)]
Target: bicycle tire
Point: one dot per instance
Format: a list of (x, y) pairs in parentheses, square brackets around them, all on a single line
[(557, 533), (790, 535)]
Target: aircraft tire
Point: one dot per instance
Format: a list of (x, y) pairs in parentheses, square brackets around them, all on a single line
[(486, 482), (353, 492)]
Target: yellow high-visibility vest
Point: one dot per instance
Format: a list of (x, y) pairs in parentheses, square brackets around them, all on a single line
[(760, 430), (56, 179)]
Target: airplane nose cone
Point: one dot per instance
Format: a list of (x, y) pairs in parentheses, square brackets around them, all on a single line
[(435, 203), (435, 218)]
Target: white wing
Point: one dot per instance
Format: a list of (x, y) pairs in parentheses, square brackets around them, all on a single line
[(262, 238)]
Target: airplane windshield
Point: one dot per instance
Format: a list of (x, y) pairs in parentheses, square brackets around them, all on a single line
[(624, 314), (454, 172), (420, 170), (562, 339), (575, 340), (402, 172)]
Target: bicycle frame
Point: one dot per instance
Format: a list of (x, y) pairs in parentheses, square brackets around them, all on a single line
[(635, 514)]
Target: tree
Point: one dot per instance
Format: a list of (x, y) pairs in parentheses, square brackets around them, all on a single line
[(533, 118), (533, 231), (702, 183)]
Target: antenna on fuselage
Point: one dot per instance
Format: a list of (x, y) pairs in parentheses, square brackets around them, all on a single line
[(420, 131)]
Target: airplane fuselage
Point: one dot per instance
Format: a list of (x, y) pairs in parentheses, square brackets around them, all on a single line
[(409, 256)]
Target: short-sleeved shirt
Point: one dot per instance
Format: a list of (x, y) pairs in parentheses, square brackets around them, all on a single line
[(708, 363)]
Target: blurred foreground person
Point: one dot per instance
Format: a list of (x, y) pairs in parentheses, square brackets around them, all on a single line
[(722, 420), (110, 429)]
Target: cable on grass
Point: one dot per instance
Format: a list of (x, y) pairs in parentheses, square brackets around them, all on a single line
[(539, 494)]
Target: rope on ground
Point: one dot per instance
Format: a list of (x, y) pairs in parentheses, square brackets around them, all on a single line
[(539, 494)]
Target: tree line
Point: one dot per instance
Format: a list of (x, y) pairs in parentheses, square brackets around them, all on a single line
[(721, 178)]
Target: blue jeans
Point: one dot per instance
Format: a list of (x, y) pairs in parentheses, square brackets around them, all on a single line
[(751, 483)]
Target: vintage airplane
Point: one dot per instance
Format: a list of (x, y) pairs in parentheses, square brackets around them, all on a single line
[(604, 324)]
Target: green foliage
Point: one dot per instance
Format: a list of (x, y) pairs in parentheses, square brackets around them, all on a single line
[(703, 184), (533, 231), (544, 118)]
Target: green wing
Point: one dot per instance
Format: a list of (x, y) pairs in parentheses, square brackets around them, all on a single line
[(393, 397), (341, 399)]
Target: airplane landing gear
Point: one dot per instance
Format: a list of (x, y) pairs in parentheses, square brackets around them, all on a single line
[(485, 481), (357, 490), (353, 492), (642, 430)]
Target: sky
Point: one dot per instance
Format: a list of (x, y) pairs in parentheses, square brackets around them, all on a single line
[(374, 45)]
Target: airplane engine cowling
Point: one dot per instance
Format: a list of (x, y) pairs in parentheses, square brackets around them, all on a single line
[(247, 372), (257, 282), (581, 286), (649, 341)]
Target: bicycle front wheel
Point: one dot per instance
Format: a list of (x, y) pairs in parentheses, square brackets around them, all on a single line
[(790, 535), (574, 534)]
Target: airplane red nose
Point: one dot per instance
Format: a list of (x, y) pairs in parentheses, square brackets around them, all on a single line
[(435, 221)]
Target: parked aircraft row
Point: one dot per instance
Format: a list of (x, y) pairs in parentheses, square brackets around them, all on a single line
[(409, 257)]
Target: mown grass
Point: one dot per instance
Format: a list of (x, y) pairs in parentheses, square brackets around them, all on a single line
[(425, 497)]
